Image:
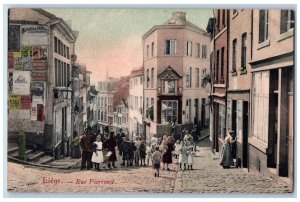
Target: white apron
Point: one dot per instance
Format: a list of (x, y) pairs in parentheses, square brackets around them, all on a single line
[(98, 158)]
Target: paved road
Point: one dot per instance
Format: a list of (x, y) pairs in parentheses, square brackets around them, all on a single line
[(208, 177)]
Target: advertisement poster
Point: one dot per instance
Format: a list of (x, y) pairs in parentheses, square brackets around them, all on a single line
[(21, 82), (33, 116), (14, 38), (37, 90), (26, 51), (34, 35), (14, 102), (18, 62), (25, 101), (10, 60), (19, 114)]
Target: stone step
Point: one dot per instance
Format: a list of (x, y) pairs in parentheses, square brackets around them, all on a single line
[(46, 159), (35, 156), (12, 150), (28, 151)]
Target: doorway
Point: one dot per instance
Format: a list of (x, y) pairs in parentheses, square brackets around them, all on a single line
[(245, 134)]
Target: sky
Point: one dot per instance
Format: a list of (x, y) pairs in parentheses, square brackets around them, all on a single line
[(111, 39)]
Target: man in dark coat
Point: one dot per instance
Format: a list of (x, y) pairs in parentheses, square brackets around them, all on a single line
[(86, 143), (110, 144), (195, 134)]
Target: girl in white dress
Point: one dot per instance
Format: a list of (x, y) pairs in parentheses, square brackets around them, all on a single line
[(97, 157), (190, 154)]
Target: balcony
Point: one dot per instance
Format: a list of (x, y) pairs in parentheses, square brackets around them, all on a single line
[(174, 92)]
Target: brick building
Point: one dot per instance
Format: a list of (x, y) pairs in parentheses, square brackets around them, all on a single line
[(175, 61)]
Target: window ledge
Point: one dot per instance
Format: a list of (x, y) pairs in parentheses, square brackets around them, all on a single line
[(233, 73), (243, 71), (286, 35), (258, 144), (264, 44), (234, 15)]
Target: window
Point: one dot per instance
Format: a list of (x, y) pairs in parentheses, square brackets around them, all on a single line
[(244, 50), (147, 51), (141, 102), (222, 65), (223, 17), (147, 79), (169, 111), (141, 80), (234, 43), (169, 86), (55, 44), (170, 47), (263, 25), (218, 21), (189, 78), (197, 79), (198, 50), (56, 72), (203, 84), (260, 100), (189, 48), (152, 49), (217, 66), (68, 53), (204, 51), (188, 109), (152, 77), (287, 20)]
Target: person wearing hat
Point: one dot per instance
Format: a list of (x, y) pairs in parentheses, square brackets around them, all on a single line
[(97, 157), (110, 144), (86, 143)]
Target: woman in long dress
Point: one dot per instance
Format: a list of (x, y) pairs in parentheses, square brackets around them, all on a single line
[(110, 144), (167, 155), (97, 157), (226, 155)]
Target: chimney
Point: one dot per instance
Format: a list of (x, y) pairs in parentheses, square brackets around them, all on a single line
[(181, 16)]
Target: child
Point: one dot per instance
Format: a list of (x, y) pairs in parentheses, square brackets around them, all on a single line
[(156, 157), (176, 151), (148, 153), (97, 157), (190, 154), (142, 153), (183, 157)]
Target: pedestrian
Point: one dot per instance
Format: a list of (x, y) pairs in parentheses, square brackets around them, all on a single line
[(176, 150), (188, 138), (124, 151), (167, 155), (183, 157), (75, 146), (190, 154), (143, 153), (226, 155), (86, 143), (122, 135), (149, 152), (110, 144), (195, 136), (97, 157), (156, 158), (137, 144)]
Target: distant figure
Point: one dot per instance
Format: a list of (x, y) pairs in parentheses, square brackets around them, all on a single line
[(195, 135), (75, 146), (110, 144), (167, 155), (190, 154), (143, 153), (86, 144), (183, 157), (226, 155), (177, 147), (156, 158)]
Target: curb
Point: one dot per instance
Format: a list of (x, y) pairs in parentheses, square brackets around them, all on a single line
[(202, 138), (16, 160)]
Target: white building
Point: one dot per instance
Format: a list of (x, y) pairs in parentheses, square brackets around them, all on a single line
[(136, 102)]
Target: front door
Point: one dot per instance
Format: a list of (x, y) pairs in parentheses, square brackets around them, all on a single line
[(245, 134), (203, 113)]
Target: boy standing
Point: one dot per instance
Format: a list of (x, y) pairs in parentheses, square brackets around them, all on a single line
[(156, 157)]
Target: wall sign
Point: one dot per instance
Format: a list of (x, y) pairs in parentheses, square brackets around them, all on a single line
[(34, 35), (21, 82)]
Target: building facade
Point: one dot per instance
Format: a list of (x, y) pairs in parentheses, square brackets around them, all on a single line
[(175, 60), (135, 112), (220, 65), (41, 47), (239, 80), (272, 92)]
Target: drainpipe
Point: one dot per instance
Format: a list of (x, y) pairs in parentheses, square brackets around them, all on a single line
[(227, 65)]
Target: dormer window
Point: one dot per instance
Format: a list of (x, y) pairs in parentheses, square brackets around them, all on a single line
[(169, 81)]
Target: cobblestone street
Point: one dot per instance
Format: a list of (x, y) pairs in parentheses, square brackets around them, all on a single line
[(207, 177)]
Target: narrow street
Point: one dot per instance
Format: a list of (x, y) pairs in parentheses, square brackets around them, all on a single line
[(207, 177)]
